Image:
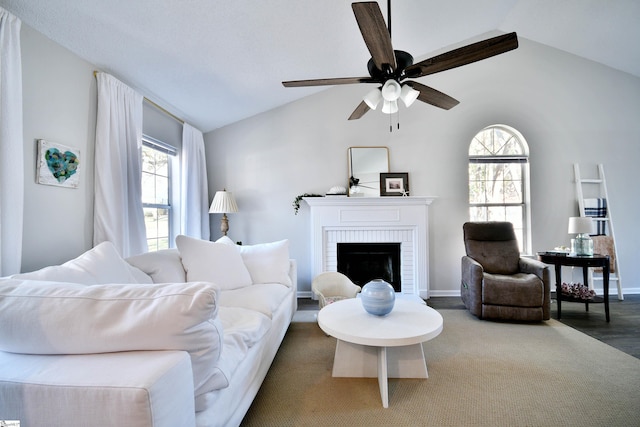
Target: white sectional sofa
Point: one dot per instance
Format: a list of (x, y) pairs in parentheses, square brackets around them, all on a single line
[(179, 337)]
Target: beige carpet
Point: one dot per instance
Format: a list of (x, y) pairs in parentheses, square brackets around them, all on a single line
[(480, 374)]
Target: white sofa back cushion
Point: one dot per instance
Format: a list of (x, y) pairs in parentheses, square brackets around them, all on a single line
[(66, 318), (163, 266), (102, 264), (266, 262), (213, 262)]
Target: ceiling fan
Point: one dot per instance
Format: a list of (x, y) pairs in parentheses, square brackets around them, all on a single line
[(389, 68)]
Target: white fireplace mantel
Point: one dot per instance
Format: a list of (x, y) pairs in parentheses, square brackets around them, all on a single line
[(403, 220)]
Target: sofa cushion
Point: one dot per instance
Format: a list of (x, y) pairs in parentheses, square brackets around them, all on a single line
[(243, 327), (218, 263), (267, 262), (66, 318), (164, 266), (517, 290), (99, 265), (58, 273), (263, 297)]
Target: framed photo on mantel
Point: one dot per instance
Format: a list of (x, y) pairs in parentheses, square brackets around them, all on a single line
[(394, 184)]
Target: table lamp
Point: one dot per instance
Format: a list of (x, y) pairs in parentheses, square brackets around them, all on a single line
[(223, 202), (582, 245)]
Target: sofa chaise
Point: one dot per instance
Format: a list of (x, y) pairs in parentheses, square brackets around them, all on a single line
[(178, 337)]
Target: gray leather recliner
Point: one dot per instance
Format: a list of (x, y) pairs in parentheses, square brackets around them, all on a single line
[(497, 283)]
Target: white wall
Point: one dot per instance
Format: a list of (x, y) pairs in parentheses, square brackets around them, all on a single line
[(59, 102), (568, 109)]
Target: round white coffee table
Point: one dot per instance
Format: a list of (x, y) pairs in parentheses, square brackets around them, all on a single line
[(384, 347)]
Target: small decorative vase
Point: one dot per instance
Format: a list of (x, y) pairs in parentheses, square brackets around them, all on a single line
[(378, 297)]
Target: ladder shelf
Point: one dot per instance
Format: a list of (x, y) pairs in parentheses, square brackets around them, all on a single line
[(601, 215)]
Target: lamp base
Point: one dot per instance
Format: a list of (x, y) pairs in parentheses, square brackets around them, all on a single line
[(582, 245), (224, 224)]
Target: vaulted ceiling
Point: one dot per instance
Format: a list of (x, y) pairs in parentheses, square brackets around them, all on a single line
[(215, 62)]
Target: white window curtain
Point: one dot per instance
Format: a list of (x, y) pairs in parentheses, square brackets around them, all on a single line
[(194, 203), (118, 214), (11, 145)]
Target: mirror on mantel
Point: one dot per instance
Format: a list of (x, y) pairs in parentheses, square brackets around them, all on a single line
[(365, 166)]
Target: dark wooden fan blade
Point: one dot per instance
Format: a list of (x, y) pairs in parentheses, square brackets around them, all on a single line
[(329, 82), (433, 97), (464, 55), (375, 34), (360, 111)]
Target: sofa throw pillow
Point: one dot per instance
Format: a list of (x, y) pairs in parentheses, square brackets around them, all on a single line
[(267, 262), (99, 265), (58, 273), (213, 262), (227, 241), (68, 318), (164, 266)]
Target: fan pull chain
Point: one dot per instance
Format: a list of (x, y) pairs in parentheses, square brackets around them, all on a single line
[(391, 121)]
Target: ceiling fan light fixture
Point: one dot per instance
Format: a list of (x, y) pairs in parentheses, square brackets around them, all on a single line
[(390, 107), (391, 90), (408, 95), (373, 98)]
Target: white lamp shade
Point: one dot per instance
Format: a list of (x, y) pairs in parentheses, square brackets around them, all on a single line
[(408, 95), (580, 225), (373, 98), (391, 90), (390, 107), (223, 202)]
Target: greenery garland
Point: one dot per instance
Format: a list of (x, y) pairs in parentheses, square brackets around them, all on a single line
[(296, 201)]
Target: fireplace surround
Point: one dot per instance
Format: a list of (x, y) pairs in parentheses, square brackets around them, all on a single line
[(399, 220)]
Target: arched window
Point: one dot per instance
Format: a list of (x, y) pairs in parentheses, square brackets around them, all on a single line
[(499, 180)]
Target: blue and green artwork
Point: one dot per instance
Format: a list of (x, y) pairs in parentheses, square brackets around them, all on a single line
[(58, 165), (61, 165)]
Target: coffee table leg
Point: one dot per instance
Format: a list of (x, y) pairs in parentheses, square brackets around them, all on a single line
[(383, 381)]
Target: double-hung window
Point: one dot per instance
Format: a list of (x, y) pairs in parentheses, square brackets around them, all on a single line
[(159, 212), (499, 180)]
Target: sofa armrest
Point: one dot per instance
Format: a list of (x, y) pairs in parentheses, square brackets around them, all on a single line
[(293, 275), (471, 285), (141, 388)]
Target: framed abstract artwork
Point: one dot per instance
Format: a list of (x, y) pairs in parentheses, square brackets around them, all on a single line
[(394, 184), (58, 164)]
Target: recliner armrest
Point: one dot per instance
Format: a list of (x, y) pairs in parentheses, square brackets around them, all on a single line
[(533, 266), (543, 271), (472, 273), (471, 286)]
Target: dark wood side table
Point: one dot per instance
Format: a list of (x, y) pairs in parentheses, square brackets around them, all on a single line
[(560, 259)]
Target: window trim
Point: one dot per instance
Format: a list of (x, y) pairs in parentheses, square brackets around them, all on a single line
[(524, 160), (170, 206)]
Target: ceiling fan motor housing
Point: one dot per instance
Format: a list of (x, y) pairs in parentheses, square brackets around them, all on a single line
[(403, 60)]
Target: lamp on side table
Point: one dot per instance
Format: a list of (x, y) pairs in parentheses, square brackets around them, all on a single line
[(223, 202)]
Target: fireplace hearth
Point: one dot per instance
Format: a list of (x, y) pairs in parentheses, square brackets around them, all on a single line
[(363, 262)]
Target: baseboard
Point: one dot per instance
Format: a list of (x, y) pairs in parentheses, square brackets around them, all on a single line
[(446, 293), (305, 294), (613, 292)]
